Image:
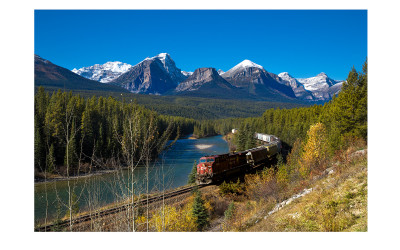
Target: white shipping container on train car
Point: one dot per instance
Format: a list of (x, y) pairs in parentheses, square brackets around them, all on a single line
[(265, 137)]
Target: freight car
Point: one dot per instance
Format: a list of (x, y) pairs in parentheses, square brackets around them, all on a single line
[(258, 155), (216, 168), (265, 137)]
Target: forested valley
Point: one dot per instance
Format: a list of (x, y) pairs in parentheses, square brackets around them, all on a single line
[(73, 132)]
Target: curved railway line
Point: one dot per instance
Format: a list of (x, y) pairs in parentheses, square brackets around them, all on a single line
[(114, 210)]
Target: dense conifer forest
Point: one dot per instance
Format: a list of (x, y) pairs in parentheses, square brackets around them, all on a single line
[(198, 108), (70, 127)]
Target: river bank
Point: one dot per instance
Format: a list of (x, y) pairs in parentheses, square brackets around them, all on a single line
[(41, 177), (57, 177)]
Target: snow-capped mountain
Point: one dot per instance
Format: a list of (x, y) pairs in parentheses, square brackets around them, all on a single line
[(240, 67), (153, 75), (318, 82), (321, 86), (297, 87), (169, 65), (255, 80), (103, 72), (159, 75)]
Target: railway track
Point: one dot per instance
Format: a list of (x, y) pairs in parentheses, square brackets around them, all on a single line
[(114, 210)]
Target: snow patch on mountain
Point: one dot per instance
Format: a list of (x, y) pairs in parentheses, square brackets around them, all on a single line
[(320, 82), (242, 66), (321, 86), (288, 78), (103, 72), (246, 64), (298, 88), (185, 73)]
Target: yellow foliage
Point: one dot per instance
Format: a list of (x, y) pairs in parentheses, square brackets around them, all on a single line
[(268, 174), (315, 149), (282, 176), (140, 220), (174, 220), (208, 206)]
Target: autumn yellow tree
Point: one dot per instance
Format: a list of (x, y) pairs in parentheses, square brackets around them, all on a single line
[(315, 150), (172, 219)]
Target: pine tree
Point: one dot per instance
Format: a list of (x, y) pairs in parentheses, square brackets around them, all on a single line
[(39, 148), (241, 137), (192, 175), (200, 212), (230, 211), (50, 160)]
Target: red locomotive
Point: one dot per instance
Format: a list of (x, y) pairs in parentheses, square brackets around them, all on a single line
[(216, 168)]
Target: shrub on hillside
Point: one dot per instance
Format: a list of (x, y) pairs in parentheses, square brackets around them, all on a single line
[(171, 219), (262, 186), (229, 213), (231, 188)]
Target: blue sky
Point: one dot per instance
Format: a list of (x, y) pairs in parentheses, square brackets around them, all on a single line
[(301, 42)]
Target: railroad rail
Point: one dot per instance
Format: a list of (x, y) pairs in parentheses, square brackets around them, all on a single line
[(114, 210)]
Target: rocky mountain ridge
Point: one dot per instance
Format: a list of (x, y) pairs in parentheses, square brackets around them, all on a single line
[(159, 75)]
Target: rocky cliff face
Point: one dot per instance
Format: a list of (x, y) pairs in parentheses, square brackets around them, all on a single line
[(176, 74), (148, 77), (201, 78), (206, 82)]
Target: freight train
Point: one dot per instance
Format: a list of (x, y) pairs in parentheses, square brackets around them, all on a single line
[(215, 168)]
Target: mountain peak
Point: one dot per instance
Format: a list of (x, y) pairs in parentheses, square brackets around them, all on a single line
[(285, 74), (248, 64), (201, 77), (322, 74), (245, 65), (163, 55)]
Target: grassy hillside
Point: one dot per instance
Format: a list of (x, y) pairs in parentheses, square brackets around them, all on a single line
[(337, 202)]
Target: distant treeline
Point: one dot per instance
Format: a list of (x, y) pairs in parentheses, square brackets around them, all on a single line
[(95, 128), (198, 108)]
